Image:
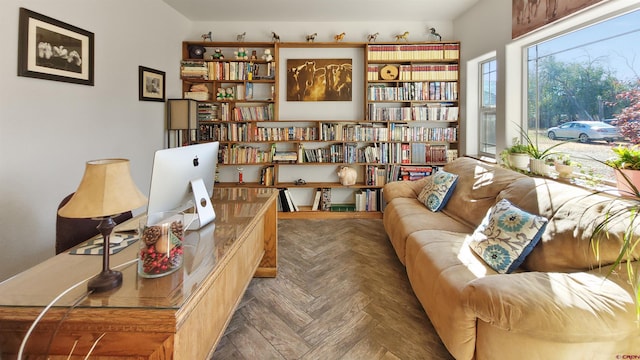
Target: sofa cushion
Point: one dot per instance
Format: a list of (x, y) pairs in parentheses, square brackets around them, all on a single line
[(566, 245), (506, 236), (437, 190), (404, 216), (478, 185)]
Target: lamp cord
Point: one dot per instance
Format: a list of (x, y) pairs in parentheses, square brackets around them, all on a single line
[(46, 308)]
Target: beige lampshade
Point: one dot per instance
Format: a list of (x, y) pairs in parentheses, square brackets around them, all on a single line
[(106, 189), (182, 114)]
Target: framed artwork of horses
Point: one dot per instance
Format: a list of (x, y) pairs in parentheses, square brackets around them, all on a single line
[(319, 79), (529, 15)]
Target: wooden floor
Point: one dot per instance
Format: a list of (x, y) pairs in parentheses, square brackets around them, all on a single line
[(341, 293)]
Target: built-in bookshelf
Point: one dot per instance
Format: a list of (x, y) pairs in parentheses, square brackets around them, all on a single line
[(409, 130)]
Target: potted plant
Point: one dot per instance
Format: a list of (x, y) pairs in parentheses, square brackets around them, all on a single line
[(626, 165), (516, 156), (538, 164), (565, 166)]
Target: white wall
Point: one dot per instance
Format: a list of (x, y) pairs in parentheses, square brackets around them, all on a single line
[(479, 36), (49, 129)]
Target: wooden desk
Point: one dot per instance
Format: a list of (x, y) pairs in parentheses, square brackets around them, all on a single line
[(179, 316)]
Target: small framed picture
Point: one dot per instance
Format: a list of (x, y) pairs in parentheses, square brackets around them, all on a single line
[(151, 84), (53, 50)]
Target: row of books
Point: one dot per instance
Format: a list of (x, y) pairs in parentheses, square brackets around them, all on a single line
[(208, 111), (353, 132), (322, 200), (414, 91), (368, 200), (260, 113), (375, 175), (286, 202), (404, 172), (405, 153), (404, 132), (268, 175), (247, 131), (244, 154), (429, 112), (407, 52), (335, 153), (226, 70)]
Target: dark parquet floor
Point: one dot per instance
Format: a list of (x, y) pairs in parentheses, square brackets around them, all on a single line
[(340, 293)]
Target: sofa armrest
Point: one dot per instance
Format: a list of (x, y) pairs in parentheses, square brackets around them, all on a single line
[(582, 306), (403, 189)]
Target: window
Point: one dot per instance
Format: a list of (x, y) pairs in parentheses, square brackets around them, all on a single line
[(487, 115), (579, 76)]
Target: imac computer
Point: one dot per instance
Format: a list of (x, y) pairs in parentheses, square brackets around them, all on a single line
[(182, 178)]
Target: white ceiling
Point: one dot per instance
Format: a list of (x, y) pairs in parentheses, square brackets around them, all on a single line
[(318, 11)]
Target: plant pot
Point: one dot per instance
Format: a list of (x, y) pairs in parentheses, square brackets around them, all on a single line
[(539, 167), (564, 171), (623, 185), (519, 161)]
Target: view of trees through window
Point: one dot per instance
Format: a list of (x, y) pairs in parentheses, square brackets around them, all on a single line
[(588, 75)]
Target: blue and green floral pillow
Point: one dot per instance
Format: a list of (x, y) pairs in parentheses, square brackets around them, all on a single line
[(438, 190), (506, 236)]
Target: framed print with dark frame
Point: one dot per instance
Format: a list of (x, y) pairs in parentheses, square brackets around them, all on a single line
[(53, 50), (150, 84)]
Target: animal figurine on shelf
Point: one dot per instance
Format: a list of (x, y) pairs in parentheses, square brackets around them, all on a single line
[(404, 36), (206, 36), (339, 37), (434, 36), (372, 37), (347, 175), (240, 37), (311, 37), (267, 55), (254, 55), (217, 54), (241, 54), (275, 37)]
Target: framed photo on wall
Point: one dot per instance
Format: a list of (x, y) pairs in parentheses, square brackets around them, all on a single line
[(53, 50), (150, 84)]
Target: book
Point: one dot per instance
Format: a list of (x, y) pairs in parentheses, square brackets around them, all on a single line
[(316, 200), (292, 205), (284, 204), (325, 201)]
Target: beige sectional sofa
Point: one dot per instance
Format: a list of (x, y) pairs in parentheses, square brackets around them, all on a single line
[(559, 304)]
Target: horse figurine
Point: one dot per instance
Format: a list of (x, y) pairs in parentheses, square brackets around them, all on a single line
[(311, 37), (404, 36), (339, 37), (240, 37), (372, 37), (275, 37), (434, 35), (206, 36)]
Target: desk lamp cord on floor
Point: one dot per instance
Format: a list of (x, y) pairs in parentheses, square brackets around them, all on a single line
[(46, 308)]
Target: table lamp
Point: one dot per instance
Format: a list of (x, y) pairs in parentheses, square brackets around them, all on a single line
[(106, 190)]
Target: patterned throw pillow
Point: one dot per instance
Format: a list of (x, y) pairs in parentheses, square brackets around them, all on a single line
[(438, 190), (506, 236)]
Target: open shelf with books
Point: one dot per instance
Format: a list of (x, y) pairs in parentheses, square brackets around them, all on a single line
[(407, 128)]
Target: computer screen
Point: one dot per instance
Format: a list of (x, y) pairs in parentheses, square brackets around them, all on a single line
[(174, 170)]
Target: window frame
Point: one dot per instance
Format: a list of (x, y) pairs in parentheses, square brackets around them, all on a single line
[(486, 110)]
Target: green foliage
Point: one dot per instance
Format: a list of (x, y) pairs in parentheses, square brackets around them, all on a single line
[(627, 157), (570, 90), (534, 151), (623, 209)]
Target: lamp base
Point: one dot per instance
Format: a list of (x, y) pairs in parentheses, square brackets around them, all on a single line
[(105, 281)]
